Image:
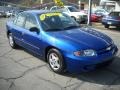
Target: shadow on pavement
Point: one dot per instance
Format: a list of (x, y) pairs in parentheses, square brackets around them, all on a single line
[(114, 29), (103, 76)]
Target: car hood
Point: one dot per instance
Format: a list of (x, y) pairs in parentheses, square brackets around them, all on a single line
[(75, 13), (84, 38)]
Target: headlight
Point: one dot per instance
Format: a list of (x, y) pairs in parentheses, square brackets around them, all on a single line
[(88, 52), (77, 16)]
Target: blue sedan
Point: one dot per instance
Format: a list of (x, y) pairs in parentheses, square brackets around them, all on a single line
[(113, 19), (60, 41)]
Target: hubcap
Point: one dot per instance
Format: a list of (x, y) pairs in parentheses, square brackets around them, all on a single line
[(54, 61), (11, 40)]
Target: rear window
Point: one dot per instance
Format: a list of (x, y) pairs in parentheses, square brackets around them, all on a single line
[(115, 14)]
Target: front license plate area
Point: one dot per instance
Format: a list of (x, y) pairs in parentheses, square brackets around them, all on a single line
[(109, 23)]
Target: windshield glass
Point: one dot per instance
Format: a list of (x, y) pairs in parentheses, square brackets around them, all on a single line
[(115, 13), (73, 9), (57, 22)]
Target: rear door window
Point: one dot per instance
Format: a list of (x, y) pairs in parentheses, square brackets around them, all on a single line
[(20, 21)]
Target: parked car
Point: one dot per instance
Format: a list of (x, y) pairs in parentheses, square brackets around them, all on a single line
[(84, 11), (94, 17), (101, 12), (2, 14), (8, 14), (113, 19), (60, 40), (72, 12)]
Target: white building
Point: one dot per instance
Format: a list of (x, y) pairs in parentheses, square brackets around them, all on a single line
[(111, 5), (117, 8)]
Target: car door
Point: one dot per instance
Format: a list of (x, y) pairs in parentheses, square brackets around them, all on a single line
[(32, 40), (17, 28)]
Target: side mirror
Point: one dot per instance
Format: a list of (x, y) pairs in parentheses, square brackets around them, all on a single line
[(34, 29)]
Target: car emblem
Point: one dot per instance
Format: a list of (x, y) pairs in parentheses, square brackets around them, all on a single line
[(108, 48)]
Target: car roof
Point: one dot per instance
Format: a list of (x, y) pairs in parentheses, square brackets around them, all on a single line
[(64, 6), (37, 11), (68, 6)]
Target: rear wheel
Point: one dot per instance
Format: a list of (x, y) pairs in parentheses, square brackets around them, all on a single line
[(117, 26), (55, 61), (11, 41)]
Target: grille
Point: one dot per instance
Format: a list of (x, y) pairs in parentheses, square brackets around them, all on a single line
[(84, 16), (105, 50)]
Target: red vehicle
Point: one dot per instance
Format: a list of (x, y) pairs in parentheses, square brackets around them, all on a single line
[(94, 17)]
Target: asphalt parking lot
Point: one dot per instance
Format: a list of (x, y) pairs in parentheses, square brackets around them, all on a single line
[(21, 70)]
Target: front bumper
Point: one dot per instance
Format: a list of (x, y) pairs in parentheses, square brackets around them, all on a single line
[(85, 64), (95, 19), (82, 19), (111, 22)]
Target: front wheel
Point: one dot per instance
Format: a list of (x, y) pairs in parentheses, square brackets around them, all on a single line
[(106, 26), (55, 61), (11, 41)]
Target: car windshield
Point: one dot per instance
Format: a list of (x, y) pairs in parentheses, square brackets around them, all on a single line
[(115, 14), (63, 10), (57, 22), (73, 9)]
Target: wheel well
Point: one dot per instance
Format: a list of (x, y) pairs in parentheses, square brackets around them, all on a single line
[(46, 51), (72, 16), (8, 33)]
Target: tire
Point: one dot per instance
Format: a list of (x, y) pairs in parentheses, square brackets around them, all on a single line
[(118, 27), (55, 61), (106, 26), (11, 41)]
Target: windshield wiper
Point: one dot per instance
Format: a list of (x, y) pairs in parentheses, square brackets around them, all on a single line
[(70, 27)]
